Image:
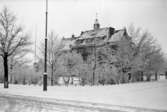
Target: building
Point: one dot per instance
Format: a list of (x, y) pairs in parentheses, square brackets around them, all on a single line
[(89, 40)]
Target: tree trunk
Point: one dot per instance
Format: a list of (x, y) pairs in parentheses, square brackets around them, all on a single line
[(129, 77), (156, 76), (5, 62), (72, 82), (51, 74), (141, 75)]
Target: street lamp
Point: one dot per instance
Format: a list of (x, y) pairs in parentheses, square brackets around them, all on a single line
[(45, 57)]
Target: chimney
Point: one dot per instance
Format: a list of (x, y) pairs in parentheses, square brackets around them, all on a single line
[(73, 37)]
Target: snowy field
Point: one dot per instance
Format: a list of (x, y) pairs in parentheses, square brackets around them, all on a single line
[(151, 95)]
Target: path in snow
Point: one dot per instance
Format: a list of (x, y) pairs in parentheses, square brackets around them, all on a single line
[(151, 95), (10, 103), (18, 103)]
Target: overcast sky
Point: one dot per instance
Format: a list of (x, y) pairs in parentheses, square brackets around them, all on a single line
[(67, 17)]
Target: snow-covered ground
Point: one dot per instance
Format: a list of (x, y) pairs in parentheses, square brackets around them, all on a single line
[(146, 95)]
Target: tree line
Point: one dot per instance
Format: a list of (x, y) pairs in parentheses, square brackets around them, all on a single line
[(127, 61)]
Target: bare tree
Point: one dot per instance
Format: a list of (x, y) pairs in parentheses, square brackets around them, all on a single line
[(12, 39), (53, 52), (70, 64), (147, 54), (133, 55)]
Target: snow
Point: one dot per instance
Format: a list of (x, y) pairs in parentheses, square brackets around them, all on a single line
[(117, 36), (95, 33), (146, 95)]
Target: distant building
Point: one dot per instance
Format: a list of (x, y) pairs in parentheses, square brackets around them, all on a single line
[(95, 38)]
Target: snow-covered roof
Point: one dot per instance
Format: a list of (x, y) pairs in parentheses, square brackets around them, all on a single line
[(117, 36), (94, 33), (84, 39)]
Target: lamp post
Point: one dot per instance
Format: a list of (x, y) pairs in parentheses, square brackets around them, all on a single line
[(45, 57)]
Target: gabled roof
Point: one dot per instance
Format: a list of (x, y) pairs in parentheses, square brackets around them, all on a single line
[(118, 35), (111, 35), (94, 33)]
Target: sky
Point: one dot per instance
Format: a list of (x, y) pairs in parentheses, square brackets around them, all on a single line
[(67, 17)]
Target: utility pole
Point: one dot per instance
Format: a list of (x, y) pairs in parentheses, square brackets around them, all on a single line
[(45, 57)]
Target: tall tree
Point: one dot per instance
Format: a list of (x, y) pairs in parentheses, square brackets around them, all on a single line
[(53, 52), (106, 72), (12, 39), (70, 64), (147, 54), (132, 55)]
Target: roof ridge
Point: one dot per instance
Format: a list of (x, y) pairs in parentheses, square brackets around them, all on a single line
[(96, 29)]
